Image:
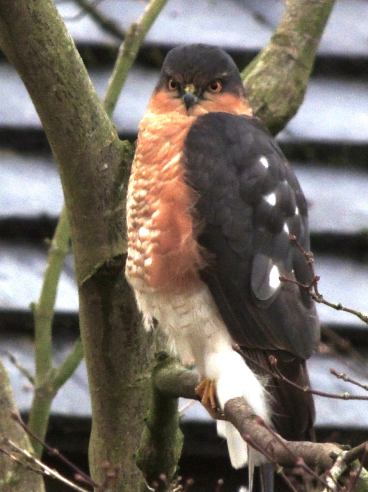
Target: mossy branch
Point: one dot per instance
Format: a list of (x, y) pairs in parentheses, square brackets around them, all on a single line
[(93, 166), (43, 312), (172, 380), (13, 477), (276, 80), (162, 439)]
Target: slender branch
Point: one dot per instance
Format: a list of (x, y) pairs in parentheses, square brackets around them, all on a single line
[(44, 468), (347, 379), (53, 451), (68, 366), (108, 25), (13, 477), (128, 52), (43, 311), (241, 415), (20, 367), (173, 380), (305, 389), (339, 307), (312, 287)]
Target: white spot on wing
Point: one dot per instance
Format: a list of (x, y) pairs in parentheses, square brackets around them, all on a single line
[(274, 280), (296, 212), (271, 199), (264, 161), (286, 229)]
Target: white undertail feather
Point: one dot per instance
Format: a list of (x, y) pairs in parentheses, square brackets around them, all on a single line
[(238, 449), (197, 334)]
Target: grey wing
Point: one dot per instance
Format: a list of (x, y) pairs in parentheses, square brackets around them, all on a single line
[(249, 203)]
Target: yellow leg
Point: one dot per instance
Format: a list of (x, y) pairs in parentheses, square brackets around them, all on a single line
[(206, 390)]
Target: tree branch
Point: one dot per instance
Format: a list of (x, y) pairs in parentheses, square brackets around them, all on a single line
[(162, 439), (94, 168), (276, 80), (13, 477), (173, 380), (43, 313), (128, 52), (108, 25)]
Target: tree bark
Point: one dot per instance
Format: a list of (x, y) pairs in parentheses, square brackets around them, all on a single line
[(94, 168), (276, 80), (13, 477)]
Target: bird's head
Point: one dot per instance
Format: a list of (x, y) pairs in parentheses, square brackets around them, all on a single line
[(197, 79)]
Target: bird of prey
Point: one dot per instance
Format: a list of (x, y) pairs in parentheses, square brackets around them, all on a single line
[(211, 206)]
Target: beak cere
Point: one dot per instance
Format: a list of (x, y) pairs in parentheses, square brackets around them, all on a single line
[(189, 98)]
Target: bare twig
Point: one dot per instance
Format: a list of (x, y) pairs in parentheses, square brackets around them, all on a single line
[(359, 472), (108, 25), (53, 451), (307, 389), (312, 287), (347, 379), (20, 367), (304, 389), (241, 415), (186, 406), (20, 463), (335, 473), (298, 459), (340, 344), (44, 469)]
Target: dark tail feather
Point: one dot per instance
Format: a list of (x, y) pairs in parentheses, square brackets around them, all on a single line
[(267, 477), (293, 409)]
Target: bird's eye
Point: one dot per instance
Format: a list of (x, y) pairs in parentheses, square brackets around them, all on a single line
[(215, 86), (172, 85)]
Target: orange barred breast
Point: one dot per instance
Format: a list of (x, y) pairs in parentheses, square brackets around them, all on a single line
[(163, 253)]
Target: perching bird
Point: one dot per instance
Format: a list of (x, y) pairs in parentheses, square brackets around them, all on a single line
[(211, 206)]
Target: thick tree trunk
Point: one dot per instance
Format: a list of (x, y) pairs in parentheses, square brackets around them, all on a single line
[(93, 165)]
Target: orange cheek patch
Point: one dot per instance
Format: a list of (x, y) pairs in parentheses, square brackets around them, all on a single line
[(227, 103), (163, 102)]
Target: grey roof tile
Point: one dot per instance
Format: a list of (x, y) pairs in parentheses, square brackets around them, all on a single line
[(337, 197), (30, 186), (22, 267), (235, 24), (334, 110), (73, 399)]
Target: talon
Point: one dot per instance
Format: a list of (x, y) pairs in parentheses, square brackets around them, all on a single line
[(206, 390)]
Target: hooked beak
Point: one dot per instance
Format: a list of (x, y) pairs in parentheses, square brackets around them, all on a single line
[(189, 97)]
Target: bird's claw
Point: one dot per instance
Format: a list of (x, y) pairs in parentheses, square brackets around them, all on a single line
[(206, 390)]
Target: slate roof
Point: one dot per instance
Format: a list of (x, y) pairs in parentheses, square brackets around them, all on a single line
[(327, 142)]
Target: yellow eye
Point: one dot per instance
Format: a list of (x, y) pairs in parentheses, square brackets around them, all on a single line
[(172, 85), (215, 86)]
